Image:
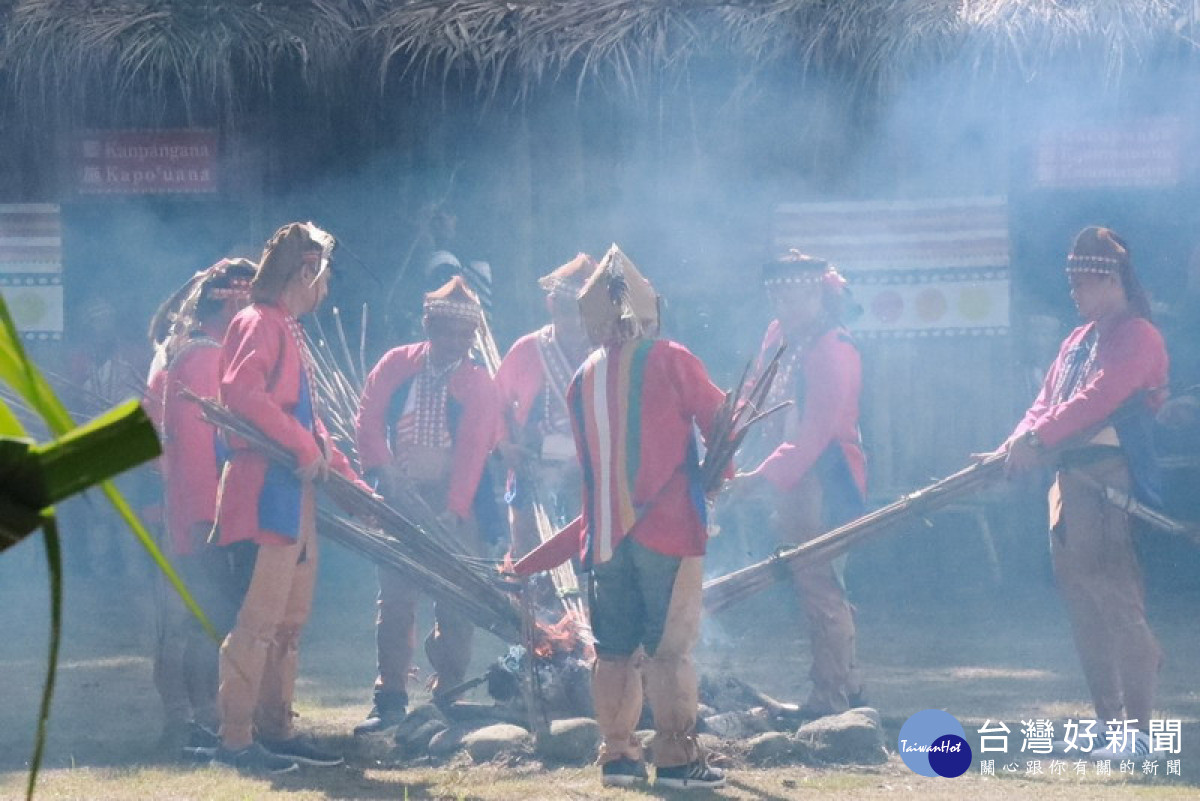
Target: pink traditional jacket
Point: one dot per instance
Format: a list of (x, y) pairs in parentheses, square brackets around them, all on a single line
[(1118, 363), (190, 467), (263, 380), (1129, 357), (826, 394), (473, 415), (633, 407)]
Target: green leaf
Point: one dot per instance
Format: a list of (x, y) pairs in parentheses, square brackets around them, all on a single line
[(114, 442), (10, 426), (54, 560)]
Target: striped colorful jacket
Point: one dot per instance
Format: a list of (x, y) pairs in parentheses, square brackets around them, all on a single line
[(633, 410)]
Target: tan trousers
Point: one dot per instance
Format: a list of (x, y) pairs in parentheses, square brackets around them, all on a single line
[(669, 679), (448, 645), (1100, 580), (819, 586), (260, 656)]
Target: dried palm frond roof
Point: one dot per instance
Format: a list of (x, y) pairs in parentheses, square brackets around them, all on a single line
[(198, 53), (219, 51)]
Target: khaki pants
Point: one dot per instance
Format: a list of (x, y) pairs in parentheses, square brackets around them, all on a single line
[(448, 645), (798, 517), (667, 627), (1100, 580), (260, 656)]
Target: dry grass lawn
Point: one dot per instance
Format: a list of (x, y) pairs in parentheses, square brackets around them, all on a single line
[(975, 655)]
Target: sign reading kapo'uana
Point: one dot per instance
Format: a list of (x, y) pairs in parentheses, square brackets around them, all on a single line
[(146, 162)]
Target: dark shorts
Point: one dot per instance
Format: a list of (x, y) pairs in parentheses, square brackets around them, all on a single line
[(630, 596)]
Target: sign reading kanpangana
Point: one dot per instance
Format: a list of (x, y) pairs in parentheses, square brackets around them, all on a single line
[(146, 162)]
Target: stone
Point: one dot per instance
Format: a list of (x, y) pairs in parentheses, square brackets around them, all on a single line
[(770, 748), (417, 742), (485, 744), (447, 742), (572, 741), (852, 737), (417, 718), (737, 725)]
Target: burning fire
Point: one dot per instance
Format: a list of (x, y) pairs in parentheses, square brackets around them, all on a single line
[(565, 638)]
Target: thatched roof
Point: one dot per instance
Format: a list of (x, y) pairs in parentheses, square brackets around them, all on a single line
[(218, 53)]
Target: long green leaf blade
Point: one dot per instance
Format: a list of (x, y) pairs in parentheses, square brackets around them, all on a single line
[(54, 560)]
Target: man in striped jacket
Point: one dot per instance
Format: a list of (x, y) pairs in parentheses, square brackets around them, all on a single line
[(642, 532)]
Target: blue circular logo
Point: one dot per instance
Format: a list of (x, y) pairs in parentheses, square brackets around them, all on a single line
[(933, 743)]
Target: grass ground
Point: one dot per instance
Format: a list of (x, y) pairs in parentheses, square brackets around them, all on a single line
[(978, 653)]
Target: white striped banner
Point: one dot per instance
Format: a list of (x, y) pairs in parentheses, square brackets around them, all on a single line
[(918, 267)]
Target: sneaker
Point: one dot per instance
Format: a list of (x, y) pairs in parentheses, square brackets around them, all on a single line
[(202, 743), (692, 776), (254, 759), (200, 736), (623, 772), (303, 750), (385, 715)]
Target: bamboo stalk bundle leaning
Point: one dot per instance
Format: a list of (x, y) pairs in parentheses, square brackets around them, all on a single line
[(562, 577), (470, 585)]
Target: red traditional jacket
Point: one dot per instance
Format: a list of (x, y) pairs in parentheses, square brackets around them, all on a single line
[(826, 394), (633, 407), (1117, 359), (262, 379), (190, 467), (474, 418), (524, 382)]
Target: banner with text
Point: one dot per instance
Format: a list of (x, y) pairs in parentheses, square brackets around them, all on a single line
[(146, 162)]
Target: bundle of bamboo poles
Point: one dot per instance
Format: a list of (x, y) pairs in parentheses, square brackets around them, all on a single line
[(722, 592), (562, 577), (733, 420), (470, 585)]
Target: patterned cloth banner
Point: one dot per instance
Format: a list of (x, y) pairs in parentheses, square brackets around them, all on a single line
[(918, 268), (31, 268)]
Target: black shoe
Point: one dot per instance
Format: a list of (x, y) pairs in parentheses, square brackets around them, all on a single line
[(385, 715), (623, 772), (255, 759), (200, 736), (303, 750), (201, 743), (692, 776)]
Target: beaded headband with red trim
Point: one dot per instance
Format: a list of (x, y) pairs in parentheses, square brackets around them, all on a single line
[(454, 309)]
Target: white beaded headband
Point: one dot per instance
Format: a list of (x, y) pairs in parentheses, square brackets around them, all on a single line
[(456, 309), (1093, 265)]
